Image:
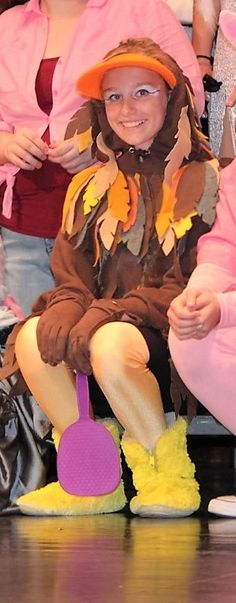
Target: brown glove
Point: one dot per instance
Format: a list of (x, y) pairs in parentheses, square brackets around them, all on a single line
[(100, 312), (53, 330)]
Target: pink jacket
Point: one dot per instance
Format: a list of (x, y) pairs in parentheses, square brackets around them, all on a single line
[(216, 270), (23, 34)]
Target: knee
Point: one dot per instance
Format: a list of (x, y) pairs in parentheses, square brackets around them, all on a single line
[(114, 348), (178, 349), (106, 350), (26, 348), (187, 355)]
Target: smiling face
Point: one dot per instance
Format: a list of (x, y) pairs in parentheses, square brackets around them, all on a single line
[(135, 101)]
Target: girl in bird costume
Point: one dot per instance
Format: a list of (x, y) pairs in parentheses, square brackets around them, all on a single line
[(126, 248), (207, 347)]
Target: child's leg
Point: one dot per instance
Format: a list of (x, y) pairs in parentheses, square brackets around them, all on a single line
[(163, 474), (208, 368), (119, 357), (54, 390), (52, 387)]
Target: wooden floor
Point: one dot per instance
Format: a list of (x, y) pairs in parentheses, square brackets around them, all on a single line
[(120, 558)]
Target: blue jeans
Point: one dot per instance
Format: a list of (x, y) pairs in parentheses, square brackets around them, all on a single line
[(27, 267)]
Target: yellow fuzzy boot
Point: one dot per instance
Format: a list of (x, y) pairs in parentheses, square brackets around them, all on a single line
[(53, 500), (164, 479)]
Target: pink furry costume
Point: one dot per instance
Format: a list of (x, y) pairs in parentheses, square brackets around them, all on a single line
[(207, 366)]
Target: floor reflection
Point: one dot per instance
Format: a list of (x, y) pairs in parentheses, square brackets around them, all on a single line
[(103, 558), (120, 558)]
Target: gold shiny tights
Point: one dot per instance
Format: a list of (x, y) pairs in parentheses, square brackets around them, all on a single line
[(119, 357)]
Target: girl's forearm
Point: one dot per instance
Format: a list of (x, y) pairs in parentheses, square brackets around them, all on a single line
[(205, 21)]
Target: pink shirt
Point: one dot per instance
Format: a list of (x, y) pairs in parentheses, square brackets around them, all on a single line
[(104, 23), (216, 270)]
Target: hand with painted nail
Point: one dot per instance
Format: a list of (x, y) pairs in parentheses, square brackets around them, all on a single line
[(208, 306), (66, 153), (194, 313), (25, 149)]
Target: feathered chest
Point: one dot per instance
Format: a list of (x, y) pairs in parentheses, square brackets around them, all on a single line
[(130, 211), (132, 223), (122, 271)]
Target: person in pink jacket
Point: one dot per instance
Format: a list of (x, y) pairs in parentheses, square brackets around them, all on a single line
[(202, 337), (45, 45)]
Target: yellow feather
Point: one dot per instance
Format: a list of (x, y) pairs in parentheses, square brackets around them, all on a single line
[(84, 140), (89, 198), (183, 225), (74, 188), (165, 215)]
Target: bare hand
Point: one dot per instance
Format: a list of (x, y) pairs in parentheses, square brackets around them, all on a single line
[(66, 153), (209, 308), (25, 149), (194, 313), (205, 67), (184, 319)]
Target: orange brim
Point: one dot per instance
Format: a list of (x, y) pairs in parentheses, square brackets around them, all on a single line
[(90, 82)]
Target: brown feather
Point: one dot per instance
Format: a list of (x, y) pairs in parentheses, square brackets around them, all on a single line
[(190, 189), (80, 121)]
